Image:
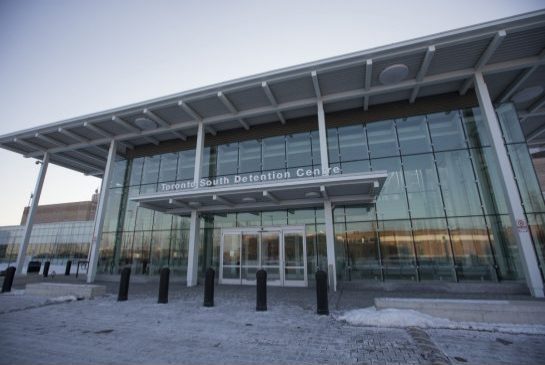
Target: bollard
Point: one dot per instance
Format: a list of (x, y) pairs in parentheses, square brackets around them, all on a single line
[(68, 267), (46, 268), (261, 302), (124, 284), (321, 292), (209, 288), (8, 279), (163, 285)]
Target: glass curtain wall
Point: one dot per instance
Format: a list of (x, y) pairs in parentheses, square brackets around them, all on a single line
[(442, 212)]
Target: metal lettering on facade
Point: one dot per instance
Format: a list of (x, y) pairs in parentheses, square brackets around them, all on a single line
[(250, 178)]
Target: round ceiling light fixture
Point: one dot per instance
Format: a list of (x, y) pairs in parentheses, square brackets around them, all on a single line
[(393, 74), (194, 204), (312, 194), (248, 199), (145, 123), (527, 94)]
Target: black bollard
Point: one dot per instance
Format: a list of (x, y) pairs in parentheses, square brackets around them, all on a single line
[(209, 288), (46, 268), (163, 285), (261, 302), (8, 279), (68, 267), (321, 293), (124, 284)]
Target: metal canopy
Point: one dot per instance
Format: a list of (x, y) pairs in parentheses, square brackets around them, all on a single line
[(510, 53), (294, 193)]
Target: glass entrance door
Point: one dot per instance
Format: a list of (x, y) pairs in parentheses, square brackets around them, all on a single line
[(279, 251)]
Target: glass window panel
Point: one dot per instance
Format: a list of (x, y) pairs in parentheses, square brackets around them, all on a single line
[(490, 180), (144, 219), (528, 185), (169, 167), (471, 247), (231, 249), (227, 159), (274, 218), (150, 173), (179, 243), (433, 249), (537, 228), (397, 251), (118, 176), (382, 139), (160, 253), (458, 183), (353, 143), (249, 219), (422, 186), (186, 165), (225, 220), (316, 158), (136, 170), (355, 213), (162, 221), (301, 216), (505, 247), (355, 166), (112, 210), (391, 202), (477, 132), (446, 131), (209, 158), (333, 145), (413, 135), (298, 149), (362, 251), (274, 153), (250, 156), (510, 125)]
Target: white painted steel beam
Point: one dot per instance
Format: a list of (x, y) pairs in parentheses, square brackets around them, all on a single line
[(430, 52), (519, 224), (323, 192), (74, 136), (485, 57), (316, 84), (515, 85), (272, 99), (192, 113), (49, 140), (322, 131), (100, 214), (367, 82), (151, 115), (223, 200), (229, 105), (122, 122), (25, 239), (270, 196), (98, 130)]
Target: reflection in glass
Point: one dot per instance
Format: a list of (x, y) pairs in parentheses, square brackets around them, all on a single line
[(274, 153), (505, 247), (168, 167), (528, 185), (433, 249), (397, 251), (249, 156), (382, 139), (353, 143), (392, 202), (446, 131), (422, 186), (298, 149), (413, 135), (362, 251)]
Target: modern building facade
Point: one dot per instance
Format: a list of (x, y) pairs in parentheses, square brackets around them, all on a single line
[(405, 162)]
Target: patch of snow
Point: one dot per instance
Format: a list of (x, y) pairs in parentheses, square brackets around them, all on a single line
[(62, 299), (396, 318)]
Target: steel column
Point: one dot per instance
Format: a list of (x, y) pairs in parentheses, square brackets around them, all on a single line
[(101, 213), (516, 213), (30, 217), (322, 130)]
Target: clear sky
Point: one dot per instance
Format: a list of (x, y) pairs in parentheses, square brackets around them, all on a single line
[(65, 58)]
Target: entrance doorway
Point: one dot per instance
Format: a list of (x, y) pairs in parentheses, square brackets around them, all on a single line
[(281, 251)]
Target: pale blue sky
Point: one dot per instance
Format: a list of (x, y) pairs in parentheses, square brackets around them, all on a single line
[(60, 59)]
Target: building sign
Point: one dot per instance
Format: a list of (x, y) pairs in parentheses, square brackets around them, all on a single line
[(522, 225), (251, 178)]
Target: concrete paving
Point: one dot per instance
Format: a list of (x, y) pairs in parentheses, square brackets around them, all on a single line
[(104, 331)]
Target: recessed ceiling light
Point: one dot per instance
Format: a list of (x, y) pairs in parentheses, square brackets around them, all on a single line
[(393, 74), (145, 123), (248, 199), (312, 194), (527, 94), (194, 204)]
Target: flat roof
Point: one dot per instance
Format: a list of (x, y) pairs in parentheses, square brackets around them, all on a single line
[(510, 53)]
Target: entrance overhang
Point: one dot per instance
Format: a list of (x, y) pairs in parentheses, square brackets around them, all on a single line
[(346, 189)]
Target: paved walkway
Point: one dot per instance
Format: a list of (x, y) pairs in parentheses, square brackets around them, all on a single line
[(104, 331)]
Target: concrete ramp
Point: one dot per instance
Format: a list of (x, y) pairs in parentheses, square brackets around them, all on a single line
[(488, 311), (53, 290)]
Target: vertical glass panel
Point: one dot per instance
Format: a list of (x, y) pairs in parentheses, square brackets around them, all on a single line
[(355, 166), (392, 202), (150, 173), (118, 176), (272, 218), (249, 156), (225, 220), (353, 143), (129, 213), (136, 170), (510, 125), (227, 159), (537, 228), (382, 139), (249, 219), (528, 185), (160, 252), (294, 256), (209, 159), (471, 248), (397, 251), (274, 153), (458, 183), (125, 255), (358, 213), (169, 166), (298, 149), (505, 247), (179, 243), (422, 186), (446, 131), (413, 135), (477, 132), (231, 249), (316, 158), (144, 219), (333, 146), (250, 256), (113, 205), (162, 221), (363, 251), (433, 249), (301, 216), (270, 255), (490, 180), (186, 165)]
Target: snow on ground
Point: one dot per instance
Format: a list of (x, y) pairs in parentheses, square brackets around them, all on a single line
[(396, 318)]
